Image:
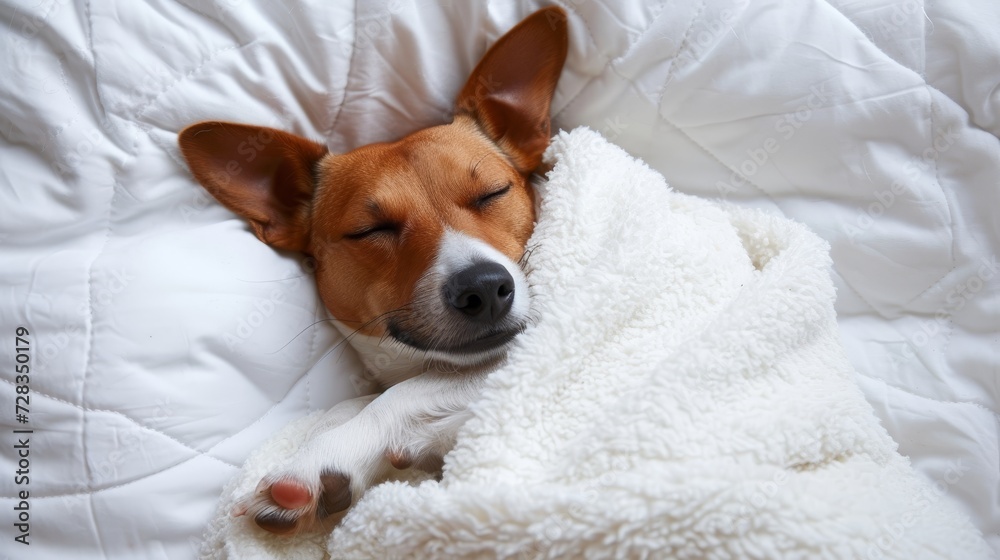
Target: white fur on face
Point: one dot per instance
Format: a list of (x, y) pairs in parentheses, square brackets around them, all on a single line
[(459, 251), (432, 319)]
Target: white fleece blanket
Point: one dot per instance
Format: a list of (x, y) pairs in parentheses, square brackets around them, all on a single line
[(683, 394), (167, 342)]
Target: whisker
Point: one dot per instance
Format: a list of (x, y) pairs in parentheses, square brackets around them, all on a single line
[(352, 334), (300, 334), (524, 262), (274, 280)]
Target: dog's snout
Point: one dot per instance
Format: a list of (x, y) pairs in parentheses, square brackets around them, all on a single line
[(484, 291)]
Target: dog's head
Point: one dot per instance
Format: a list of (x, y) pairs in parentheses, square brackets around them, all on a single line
[(416, 239)]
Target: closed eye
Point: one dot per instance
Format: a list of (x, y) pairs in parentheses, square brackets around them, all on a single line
[(386, 228), (486, 199)]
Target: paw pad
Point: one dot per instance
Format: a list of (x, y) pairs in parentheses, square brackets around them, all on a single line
[(276, 522), (336, 493), (290, 494)]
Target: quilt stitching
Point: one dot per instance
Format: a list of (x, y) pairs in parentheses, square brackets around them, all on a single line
[(666, 120), (312, 350), (168, 149), (861, 296), (141, 110), (874, 309), (124, 416), (570, 6), (611, 57), (121, 484), (950, 328), (328, 131), (980, 406), (88, 355), (682, 47), (937, 169)]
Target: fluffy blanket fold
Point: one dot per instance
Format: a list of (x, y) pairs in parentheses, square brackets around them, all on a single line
[(683, 394)]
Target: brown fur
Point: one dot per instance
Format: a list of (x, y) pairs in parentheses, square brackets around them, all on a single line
[(374, 219), (298, 197)]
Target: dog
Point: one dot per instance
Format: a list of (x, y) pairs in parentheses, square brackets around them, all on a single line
[(417, 245)]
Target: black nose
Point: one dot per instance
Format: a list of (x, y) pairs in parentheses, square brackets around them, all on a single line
[(483, 291)]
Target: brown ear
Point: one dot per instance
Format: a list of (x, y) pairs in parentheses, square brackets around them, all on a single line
[(510, 90), (262, 174)]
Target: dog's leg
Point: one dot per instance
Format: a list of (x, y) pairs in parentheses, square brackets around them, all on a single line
[(413, 422), (262, 502)]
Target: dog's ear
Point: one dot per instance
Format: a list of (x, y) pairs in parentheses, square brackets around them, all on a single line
[(262, 174), (510, 91)]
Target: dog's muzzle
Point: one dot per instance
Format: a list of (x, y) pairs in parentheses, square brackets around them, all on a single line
[(468, 307)]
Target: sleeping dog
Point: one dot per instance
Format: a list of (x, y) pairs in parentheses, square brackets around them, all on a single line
[(417, 244)]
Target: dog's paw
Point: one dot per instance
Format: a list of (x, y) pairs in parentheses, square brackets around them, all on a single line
[(285, 504)]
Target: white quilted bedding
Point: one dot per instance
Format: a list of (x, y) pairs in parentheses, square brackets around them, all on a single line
[(166, 342)]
